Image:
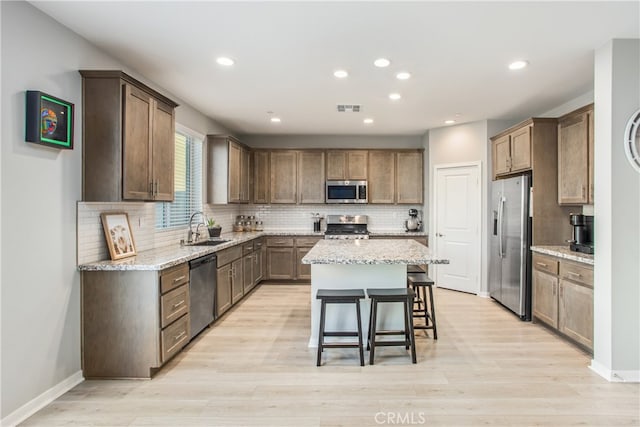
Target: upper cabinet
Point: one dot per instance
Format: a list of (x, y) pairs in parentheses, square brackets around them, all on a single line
[(512, 152), (128, 139), (395, 176), (311, 181), (575, 157), (284, 172), (347, 164), (228, 170), (261, 177)]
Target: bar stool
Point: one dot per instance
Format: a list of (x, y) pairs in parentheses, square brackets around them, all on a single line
[(339, 296), (412, 268), (391, 295), (421, 283)]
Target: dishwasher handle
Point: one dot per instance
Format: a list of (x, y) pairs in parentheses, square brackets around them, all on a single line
[(202, 260)]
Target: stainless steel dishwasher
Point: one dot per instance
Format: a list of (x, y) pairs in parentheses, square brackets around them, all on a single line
[(202, 292)]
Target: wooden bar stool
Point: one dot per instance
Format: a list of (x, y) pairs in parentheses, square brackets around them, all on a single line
[(339, 296), (391, 295), (421, 283)]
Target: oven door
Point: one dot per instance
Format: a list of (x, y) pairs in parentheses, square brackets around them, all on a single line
[(346, 192)]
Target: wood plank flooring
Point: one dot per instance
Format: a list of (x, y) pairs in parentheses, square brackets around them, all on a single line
[(253, 368)]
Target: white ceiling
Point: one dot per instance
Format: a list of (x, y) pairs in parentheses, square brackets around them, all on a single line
[(286, 52)]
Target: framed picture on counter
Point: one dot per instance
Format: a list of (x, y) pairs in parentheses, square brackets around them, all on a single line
[(117, 232)]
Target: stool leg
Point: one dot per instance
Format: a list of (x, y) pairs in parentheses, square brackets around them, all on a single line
[(433, 313), (407, 312), (423, 291), (359, 333), (369, 331), (412, 337), (323, 306), (372, 330)]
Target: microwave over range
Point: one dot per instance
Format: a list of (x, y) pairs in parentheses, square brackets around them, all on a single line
[(346, 191)]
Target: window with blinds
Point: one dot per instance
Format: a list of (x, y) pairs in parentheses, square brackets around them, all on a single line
[(187, 183)]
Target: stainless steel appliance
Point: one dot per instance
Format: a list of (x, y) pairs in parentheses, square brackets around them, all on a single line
[(346, 192), (414, 223), (202, 291), (510, 256), (582, 233), (343, 227)]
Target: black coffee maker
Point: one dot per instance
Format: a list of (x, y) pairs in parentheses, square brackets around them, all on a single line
[(582, 236)]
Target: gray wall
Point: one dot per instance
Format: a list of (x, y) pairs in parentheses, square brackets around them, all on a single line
[(40, 186), (332, 141)]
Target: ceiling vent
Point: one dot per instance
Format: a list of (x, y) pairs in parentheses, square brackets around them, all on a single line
[(346, 108)]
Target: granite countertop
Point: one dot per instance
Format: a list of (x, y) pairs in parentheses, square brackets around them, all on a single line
[(564, 252), (398, 233), (393, 251)]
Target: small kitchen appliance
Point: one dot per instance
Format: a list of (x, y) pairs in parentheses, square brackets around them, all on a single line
[(346, 227), (582, 233), (317, 222), (346, 191), (414, 223)]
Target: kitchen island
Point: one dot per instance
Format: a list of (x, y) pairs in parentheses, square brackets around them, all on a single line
[(353, 264)]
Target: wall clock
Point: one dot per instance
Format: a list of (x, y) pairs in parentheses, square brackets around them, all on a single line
[(632, 140)]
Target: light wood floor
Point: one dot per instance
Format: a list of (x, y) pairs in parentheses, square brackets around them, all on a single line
[(253, 368)]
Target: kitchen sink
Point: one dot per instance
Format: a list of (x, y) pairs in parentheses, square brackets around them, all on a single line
[(210, 242)]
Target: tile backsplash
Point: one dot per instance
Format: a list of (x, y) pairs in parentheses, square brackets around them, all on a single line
[(142, 217)]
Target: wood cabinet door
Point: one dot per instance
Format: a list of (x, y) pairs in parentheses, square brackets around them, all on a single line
[(409, 178), (235, 172), (573, 160), (283, 177), (280, 263), (382, 176), (164, 148), (311, 182), (303, 271), (501, 155), (576, 312), (245, 170), (223, 289), (258, 266), (136, 144), (357, 162), (545, 297), (247, 272), (237, 281), (261, 177), (590, 142), (521, 149), (336, 164)]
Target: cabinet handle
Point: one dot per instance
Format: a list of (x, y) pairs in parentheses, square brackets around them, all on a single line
[(178, 304), (571, 273), (150, 191), (180, 335), (560, 291), (542, 264), (591, 191), (177, 279), (157, 185), (583, 192), (554, 289), (230, 274)]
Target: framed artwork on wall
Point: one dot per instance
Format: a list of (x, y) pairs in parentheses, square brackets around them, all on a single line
[(49, 120), (117, 232)]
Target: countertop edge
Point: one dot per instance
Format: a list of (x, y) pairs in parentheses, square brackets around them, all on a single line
[(563, 252)]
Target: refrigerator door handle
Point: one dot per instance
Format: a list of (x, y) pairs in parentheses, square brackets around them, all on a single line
[(500, 226)]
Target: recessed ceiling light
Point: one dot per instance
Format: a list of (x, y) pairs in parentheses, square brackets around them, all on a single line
[(403, 75), (223, 60), (341, 74), (449, 122), (275, 120), (381, 62), (394, 96), (518, 65), (368, 121)]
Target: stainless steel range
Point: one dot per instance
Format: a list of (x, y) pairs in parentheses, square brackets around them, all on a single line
[(343, 227)]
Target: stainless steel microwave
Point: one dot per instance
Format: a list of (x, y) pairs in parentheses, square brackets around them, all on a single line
[(346, 192)]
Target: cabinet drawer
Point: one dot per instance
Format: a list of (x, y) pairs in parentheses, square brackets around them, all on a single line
[(306, 242), (280, 241), (173, 277), (247, 248), (576, 273), (257, 244), (174, 304), (545, 263), (174, 337), (228, 255)]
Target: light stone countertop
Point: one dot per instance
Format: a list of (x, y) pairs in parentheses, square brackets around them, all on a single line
[(391, 251), (564, 252)]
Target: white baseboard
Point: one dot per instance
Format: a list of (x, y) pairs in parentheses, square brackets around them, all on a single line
[(39, 402), (615, 376), (484, 294)]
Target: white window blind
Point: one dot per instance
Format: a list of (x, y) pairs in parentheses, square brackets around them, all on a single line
[(187, 182)]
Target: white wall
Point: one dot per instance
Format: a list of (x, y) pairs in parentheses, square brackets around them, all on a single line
[(616, 354), (40, 304), (333, 141)]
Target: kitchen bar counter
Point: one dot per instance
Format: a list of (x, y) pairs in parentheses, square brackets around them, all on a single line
[(392, 251), (564, 252)]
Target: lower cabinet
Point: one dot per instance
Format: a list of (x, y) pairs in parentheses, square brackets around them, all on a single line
[(258, 261), (284, 255), (563, 297), (229, 278), (133, 321)]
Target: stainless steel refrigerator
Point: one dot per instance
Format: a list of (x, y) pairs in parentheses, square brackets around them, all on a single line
[(510, 257)]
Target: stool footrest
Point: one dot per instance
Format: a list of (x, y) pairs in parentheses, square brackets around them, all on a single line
[(391, 343), (340, 334), (400, 332), (341, 345)]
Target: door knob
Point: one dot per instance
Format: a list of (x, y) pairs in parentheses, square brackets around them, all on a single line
[(439, 235)]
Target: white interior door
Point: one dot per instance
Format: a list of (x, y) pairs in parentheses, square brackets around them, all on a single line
[(457, 222)]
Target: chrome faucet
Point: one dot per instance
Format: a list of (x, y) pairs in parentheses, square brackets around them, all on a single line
[(191, 236)]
